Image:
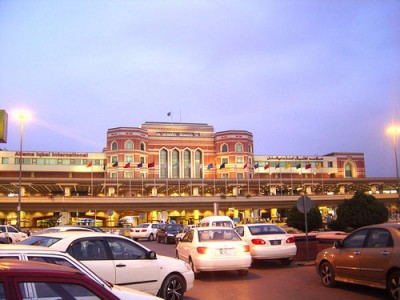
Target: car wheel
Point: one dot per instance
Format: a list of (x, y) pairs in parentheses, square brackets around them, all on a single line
[(151, 237), (194, 269), (10, 241), (243, 273), (173, 287), (285, 261), (393, 285), (327, 274)]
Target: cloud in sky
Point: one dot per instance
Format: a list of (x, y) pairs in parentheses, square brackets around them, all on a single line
[(305, 77)]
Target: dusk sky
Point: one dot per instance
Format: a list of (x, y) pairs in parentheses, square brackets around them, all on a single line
[(305, 77)]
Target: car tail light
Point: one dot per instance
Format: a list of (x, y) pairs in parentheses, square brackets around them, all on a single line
[(258, 241), (290, 240), (202, 250), (143, 230), (246, 248)]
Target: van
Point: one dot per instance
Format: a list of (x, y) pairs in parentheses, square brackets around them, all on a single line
[(213, 221)]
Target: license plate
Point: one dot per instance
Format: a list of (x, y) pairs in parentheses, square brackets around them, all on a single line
[(275, 242), (225, 251)]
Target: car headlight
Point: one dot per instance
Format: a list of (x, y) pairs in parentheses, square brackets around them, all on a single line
[(170, 234)]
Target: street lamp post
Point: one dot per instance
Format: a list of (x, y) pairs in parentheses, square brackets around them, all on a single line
[(21, 117), (394, 131)]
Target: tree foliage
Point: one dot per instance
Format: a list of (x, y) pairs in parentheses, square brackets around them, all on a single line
[(361, 210), (296, 219)]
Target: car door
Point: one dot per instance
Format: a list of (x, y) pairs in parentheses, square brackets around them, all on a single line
[(185, 246), (376, 255), (94, 253), (132, 266), (347, 257)]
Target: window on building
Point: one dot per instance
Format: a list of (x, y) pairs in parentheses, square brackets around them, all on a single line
[(114, 146), (224, 148), (348, 170), (186, 163), (142, 159), (5, 160), (330, 164), (128, 145), (114, 175), (128, 175), (239, 147), (198, 158), (163, 163), (175, 164), (142, 147), (250, 161), (239, 176), (239, 159), (249, 149), (114, 159), (224, 160), (128, 158), (225, 175)]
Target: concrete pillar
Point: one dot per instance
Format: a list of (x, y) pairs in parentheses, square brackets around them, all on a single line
[(235, 191), (196, 216), (216, 209), (342, 190), (67, 191), (272, 190), (154, 191)]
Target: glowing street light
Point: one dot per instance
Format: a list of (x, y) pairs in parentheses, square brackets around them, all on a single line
[(22, 117), (394, 131)]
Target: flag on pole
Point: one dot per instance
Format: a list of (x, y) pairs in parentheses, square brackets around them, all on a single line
[(298, 166), (277, 165), (256, 166), (266, 166), (139, 165), (115, 164), (128, 165), (104, 166), (319, 165), (89, 165), (169, 114), (245, 166), (222, 166), (151, 165), (288, 166), (308, 166), (210, 166)]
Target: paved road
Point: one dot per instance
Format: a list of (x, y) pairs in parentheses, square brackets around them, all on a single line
[(269, 280)]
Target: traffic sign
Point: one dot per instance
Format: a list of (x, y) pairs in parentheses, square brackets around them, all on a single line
[(304, 204)]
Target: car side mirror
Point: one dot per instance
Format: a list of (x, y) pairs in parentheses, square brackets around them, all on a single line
[(337, 244), (151, 255)]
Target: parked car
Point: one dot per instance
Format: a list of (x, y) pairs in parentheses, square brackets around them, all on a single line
[(167, 233), (48, 255), (180, 235), (70, 228), (122, 261), (213, 221), (368, 256), (214, 249), (37, 280), (268, 241), (146, 231), (12, 234)]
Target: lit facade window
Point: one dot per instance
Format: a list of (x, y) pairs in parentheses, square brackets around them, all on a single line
[(175, 164), (198, 159), (163, 163), (239, 147), (142, 147), (348, 170), (114, 146), (224, 148), (128, 145), (187, 163)]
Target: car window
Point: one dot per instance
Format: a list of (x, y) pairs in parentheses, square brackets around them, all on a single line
[(222, 223), (188, 238), (5, 256), (218, 235), (240, 230), (266, 229), (155, 226), (93, 249), (56, 290), (51, 260), (379, 238), (39, 241), (356, 239), (2, 292), (123, 249)]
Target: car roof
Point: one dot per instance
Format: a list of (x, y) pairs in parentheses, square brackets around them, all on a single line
[(259, 224), (395, 225), (213, 228), (20, 247), (26, 267)]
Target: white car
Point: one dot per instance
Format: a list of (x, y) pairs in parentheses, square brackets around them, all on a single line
[(121, 261), (214, 249), (69, 228), (144, 231), (12, 234), (47, 255), (268, 241)]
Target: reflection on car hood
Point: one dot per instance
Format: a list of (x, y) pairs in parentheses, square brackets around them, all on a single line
[(125, 293)]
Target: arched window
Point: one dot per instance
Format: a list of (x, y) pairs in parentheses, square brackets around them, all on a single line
[(186, 164), (249, 148), (224, 148), (142, 147), (163, 163), (175, 164), (114, 146), (128, 145), (348, 170), (198, 158), (239, 147)]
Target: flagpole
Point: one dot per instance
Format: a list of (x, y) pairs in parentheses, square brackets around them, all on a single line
[(117, 181), (259, 183), (91, 180)]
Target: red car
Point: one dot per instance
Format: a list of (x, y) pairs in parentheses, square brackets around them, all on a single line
[(35, 280)]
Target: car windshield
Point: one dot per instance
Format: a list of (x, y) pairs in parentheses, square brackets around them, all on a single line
[(39, 241), (144, 225), (173, 228), (266, 229), (218, 235)]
